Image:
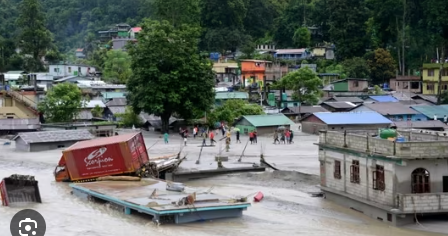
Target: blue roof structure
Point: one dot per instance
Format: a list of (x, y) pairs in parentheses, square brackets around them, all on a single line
[(383, 98), (348, 118)]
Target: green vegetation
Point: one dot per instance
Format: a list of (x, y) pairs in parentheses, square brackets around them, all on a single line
[(62, 103), (169, 75), (129, 118), (117, 66), (233, 109), (305, 84), (97, 111)]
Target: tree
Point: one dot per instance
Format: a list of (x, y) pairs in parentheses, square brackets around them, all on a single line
[(62, 103), (347, 27), (302, 37), (34, 37), (233, 109), (129, 118), (305, 84), (169, 75), (178, 12), (97, 111), (382, 65), (117, 66), (356, 67)]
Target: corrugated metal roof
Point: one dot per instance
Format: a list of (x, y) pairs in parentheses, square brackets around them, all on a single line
[(94, 103), (306, 109), (347, 118), (340, 104), (231, 95), (391, 108), (101, 141), (429, 98), (268, 120), (55, 136), (430, 111), (117, 109), (384, 98), (421, 124), (347, 99), (290, 51), (84, 114), (117, 102)]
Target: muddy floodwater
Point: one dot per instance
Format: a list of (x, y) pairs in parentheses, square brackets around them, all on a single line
[(287, 209)]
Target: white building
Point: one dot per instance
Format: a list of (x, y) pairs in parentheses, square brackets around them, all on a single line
[(63, 70), (392, 181)]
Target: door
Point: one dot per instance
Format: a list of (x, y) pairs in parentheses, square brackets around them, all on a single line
[(445, 184)]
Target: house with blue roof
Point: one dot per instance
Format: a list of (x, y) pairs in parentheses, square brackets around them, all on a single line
[(381, 98), (344, 121), (394, 111)]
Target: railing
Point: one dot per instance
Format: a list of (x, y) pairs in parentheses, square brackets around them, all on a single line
[(31, 104), (422, 202)]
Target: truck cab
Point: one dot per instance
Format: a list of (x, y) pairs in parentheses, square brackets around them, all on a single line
[(60, 172)]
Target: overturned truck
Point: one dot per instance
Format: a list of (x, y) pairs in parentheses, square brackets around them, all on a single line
[(19, 189), (118, 155)]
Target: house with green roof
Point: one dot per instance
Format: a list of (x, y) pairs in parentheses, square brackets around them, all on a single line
[(221, 97), (264, 124), (430, 111)]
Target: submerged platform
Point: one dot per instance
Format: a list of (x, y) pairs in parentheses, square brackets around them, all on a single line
[(151, 197)]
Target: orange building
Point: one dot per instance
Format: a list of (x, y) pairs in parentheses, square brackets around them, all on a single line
[(254, 71)]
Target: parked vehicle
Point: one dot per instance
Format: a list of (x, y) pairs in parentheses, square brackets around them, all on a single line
[(124, 154)]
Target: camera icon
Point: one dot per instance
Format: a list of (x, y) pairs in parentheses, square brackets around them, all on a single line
[(28, 222), (27, 225)]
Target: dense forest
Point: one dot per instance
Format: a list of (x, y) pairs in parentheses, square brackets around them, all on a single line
[(411, 30)]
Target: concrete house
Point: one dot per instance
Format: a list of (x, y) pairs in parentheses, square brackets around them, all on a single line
[(79, 53), (63, 70), (114, 107), (49, 140), (222, 97), (301, 111), (407, 84), (292, 54), (394, 182), (344, 121), (394, 111), (264, 124)]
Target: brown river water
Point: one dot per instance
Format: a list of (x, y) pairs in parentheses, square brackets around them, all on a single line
[(287, 208)]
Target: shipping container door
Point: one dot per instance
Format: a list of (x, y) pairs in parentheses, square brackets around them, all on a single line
[(98, 161), (138, 150)]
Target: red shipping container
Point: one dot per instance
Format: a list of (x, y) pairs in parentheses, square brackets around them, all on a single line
[(105, 156)]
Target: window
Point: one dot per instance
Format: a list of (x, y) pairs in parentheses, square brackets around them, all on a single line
[(429, 87), (378, 178), (415, 85), (420, 181), (69, 70), (354, 172), (337, 170), (431, 73), (56, 69), (444, 72), (355, 84), (445, 87), (389, 217)]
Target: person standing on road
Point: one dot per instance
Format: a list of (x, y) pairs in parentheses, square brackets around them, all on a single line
[(282, 139), (276, 138), (165, 137), (195, 131), (287, 135), (238, 136), (291, 136), (251, 137), (212, 138), (185, 135), (255, 136), (204, 138)]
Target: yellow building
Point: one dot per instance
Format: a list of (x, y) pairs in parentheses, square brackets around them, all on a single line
[(430, 78), (18, 105)]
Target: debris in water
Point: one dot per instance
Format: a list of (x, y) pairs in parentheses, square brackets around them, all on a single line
[(258, 197), (19, 189)]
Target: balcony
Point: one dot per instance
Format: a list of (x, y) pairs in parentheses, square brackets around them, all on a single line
[(417, 145), (423, 203)]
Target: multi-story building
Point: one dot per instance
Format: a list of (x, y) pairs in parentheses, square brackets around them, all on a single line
[(392, 181), (64, 70), (407, 84), (430, 78), (259, 71)]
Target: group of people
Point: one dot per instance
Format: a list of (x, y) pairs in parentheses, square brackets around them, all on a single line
[(253, 137), (286, 137)]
